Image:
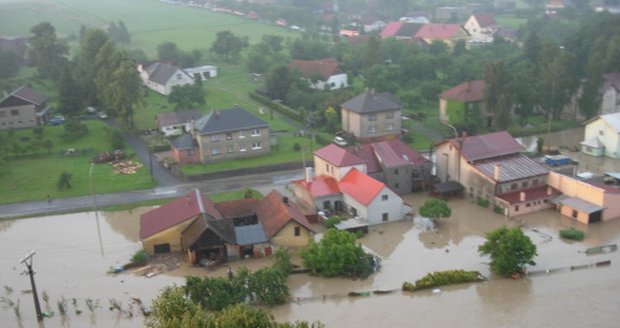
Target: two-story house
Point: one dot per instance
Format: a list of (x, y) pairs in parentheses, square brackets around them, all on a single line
[(23, 108), (602, 136), (493, 168), (372, 116), (464, 103), (481, 27), (322, 73), (229, 134), (161, 76), (446, 33)]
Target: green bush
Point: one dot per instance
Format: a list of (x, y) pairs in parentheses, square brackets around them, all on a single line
[(572, 234), (282, 109), (332, 221), (296, 146), (322, 139), (443, 278), (140, 257), (498, 209), (482, 202), (74, 130)]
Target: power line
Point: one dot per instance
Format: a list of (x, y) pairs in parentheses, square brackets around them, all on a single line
[(27, 261)]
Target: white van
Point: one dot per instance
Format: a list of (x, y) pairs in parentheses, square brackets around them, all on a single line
[(340, 141)]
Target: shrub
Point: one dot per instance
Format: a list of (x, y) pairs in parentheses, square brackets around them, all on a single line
[(116, 140), (482, 202), (140, 257), (74, 130), (332, 221), (282, 109), (498, 209), (296, 146), (443, 278), (572, 234)]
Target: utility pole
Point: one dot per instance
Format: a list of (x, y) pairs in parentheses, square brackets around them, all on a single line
[(92, 192), (27, 261)]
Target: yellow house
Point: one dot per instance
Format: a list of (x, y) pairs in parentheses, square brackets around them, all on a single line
[(284, 223)]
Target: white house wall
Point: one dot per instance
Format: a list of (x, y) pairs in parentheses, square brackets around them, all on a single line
[(609, 136), (373, 213)]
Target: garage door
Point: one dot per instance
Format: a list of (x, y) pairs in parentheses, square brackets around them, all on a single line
[(161, 248)]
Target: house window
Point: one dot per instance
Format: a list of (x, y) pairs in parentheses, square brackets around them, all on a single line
[(14, 112), (517, 208), (395, 171), (242, 147), (535, 182), (179, 76), (255, 132), (215, 151), (574, 214), (229, 136), (396, 185), (385, 217), (372, 129), (524, 184), (333, 85), (389, 115), (528, 205), (326, 167), (297, 231), (256, 145), (601, 133), (513, 186), (384, 197), (229, 149), (372, 117), (215, 138), (241, 134), (190, 152)]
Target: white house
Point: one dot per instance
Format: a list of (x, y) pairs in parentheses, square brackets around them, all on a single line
[(611, 94), (177, 123), (322, 74), (162, 76), (602, 136), (202, 73), (481, 27)]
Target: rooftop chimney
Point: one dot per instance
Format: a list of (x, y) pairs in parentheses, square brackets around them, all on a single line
[(285, 200), (522, 196), (497, 172)]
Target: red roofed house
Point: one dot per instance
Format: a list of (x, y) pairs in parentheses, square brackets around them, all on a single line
[(342, 185), (322, 73), (447, 33), (391, 29), (492, 167), (225, 230), (464, 102), (481, 27)]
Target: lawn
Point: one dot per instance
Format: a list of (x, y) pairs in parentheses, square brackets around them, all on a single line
[(150, 22), (33, 177), (513, 22)]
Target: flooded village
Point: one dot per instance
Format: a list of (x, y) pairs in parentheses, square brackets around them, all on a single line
[(73, 263)]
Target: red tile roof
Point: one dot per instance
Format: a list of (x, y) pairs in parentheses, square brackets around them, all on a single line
[(530, 195), (470, 91), (171, 214), (322, 67), (367, 154), (360, 186), (512, 167), (485, 20), (321, 186), (338, 156), (237, 208), (391, 29), (396, 153), (275, 211), (474, 148), (438, 31)]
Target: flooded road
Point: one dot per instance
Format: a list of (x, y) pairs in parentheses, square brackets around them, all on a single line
[(69, 264)]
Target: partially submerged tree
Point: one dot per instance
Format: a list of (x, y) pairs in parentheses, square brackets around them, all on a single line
[(435, 208), (510, 250)]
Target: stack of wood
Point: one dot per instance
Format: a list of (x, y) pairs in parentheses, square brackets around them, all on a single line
[(126, 167)]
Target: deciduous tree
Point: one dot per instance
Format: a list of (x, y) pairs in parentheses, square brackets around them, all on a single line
[(510, 250), (228, 46), (435, 209), (47, 52)]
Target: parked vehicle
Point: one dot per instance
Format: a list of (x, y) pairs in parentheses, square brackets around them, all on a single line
[(340, 141), (91, 110), (102, 115), (56, 120)]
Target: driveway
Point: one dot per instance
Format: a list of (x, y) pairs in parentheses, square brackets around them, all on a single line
[(161, 174)]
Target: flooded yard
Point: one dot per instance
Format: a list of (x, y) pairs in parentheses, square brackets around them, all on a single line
[(70, 264)]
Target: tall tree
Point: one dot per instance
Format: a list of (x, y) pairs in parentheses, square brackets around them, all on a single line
[(510, 250), (278, 82), (559, 81), (8, 64), (47, 52), (89, 67), (186, 96), (532, 47), (371, 54), (69, 101), (228, 46), (497, 82)]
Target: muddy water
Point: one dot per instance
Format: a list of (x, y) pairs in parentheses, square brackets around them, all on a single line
[(69, 263)]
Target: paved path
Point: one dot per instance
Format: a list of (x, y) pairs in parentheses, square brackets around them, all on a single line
[(263, 182)]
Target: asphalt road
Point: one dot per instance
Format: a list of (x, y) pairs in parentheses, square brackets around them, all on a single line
[(264, 182)]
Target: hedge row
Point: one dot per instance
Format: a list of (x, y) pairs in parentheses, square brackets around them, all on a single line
[(282, 109), (443, 278)]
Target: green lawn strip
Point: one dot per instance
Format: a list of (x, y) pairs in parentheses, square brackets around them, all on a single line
[(512, 22), (284, 153)]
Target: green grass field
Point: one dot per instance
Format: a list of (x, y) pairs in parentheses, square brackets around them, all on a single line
[(33, 177)]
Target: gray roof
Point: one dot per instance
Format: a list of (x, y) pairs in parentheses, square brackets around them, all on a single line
[(228, 120), (581, 205), (180, 117), (162, 72), (512, 167), (250, 234), (372, 102), (24, 94), (184, 142)]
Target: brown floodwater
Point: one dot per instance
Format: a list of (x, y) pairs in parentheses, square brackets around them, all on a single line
[(70, 264)]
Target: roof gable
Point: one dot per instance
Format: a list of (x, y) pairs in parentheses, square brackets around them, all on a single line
[(24, 95), (228, 120), (371, 102), (338, 156), (360, 186), (275, 211), (485, 20), (469, 91), (162, 72), (321, 67)]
